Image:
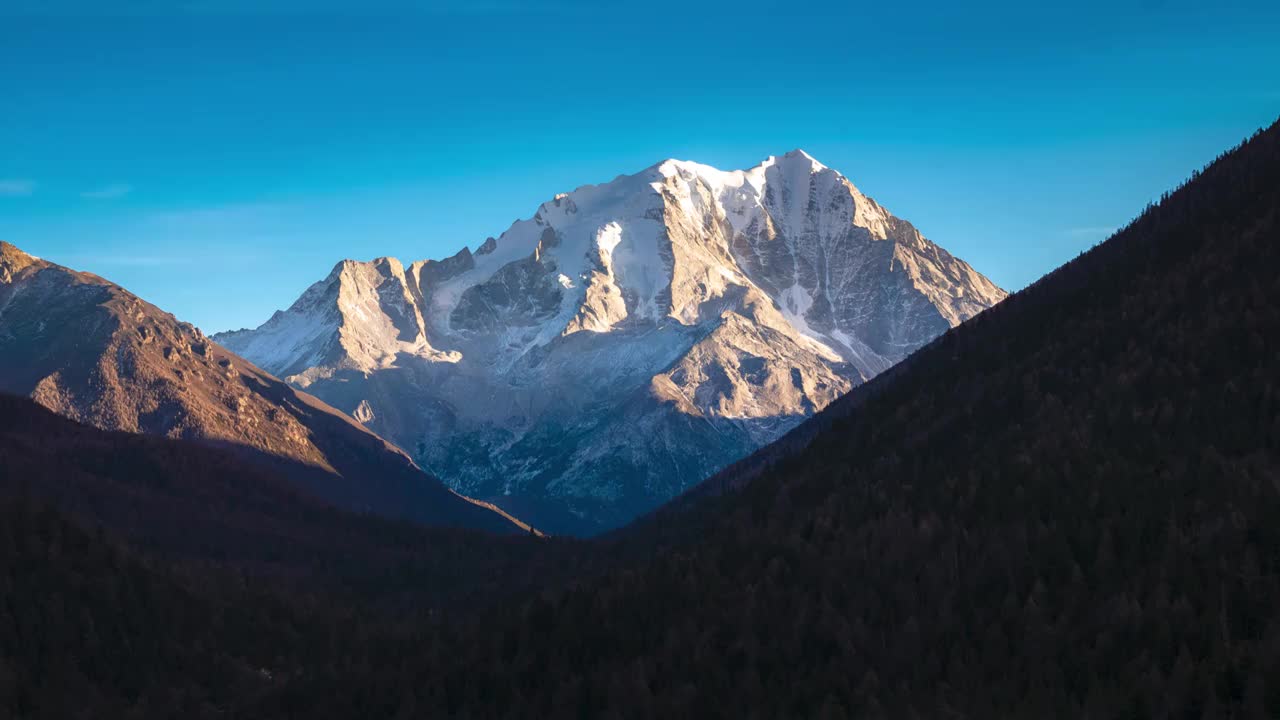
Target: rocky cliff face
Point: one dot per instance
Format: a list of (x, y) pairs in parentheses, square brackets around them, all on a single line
[(628, 339), (92, 351)]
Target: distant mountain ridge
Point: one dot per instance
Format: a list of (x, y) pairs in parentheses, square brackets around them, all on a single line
[(629, 339), (91, 351)]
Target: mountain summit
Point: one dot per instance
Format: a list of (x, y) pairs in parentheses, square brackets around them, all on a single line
[(628, 339)]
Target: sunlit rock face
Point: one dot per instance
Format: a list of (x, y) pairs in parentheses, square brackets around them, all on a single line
[(628, 339)]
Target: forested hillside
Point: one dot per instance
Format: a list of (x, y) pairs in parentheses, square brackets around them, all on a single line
[(197, 506), (88, 629)]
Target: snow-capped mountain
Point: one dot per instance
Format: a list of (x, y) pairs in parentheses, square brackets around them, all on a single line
[(628, 339)]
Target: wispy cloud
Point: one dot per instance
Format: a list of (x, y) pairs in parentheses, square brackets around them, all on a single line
[(232, 217), (17, 188), (158, 260), (1095, 232), (108, 192), (124, 260)]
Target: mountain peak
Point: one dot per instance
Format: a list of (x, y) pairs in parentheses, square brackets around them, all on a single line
[(9, 251), (674, 166), (14, 260), (794, 158), (386, 266), (799, 153), (799, 157), (389, 262)]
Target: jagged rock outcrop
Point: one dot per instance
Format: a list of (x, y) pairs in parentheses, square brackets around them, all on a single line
[(360, 317), (628, 339)]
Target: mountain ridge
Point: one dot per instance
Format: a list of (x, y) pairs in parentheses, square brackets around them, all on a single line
[(94, 352)]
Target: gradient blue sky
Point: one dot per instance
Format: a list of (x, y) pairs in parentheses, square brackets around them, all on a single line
[(219, 157)]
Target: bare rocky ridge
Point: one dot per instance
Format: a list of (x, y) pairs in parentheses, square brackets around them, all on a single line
[(94, 352), (629, 339)]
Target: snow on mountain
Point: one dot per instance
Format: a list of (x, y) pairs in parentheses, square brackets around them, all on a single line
[(629, 338), (362, 316)]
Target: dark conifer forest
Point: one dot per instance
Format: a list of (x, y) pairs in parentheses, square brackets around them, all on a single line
[(1067, 507)]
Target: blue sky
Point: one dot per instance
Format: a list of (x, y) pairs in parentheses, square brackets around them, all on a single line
[(216, 157)]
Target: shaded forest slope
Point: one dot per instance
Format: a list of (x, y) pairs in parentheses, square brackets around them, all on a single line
[(1069, 506)]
